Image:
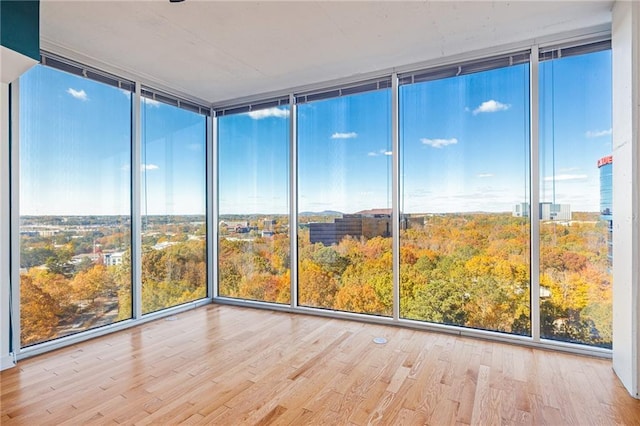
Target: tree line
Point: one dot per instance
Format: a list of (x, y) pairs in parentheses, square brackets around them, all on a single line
[(471, 270), (60, 295)]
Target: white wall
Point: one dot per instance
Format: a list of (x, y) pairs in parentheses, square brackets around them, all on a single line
[(6, 360), (12, 65), (626, 193)]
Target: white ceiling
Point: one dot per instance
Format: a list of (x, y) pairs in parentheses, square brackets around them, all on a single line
[(216, 50)]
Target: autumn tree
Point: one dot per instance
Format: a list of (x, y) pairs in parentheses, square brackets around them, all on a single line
[(38, 311), (93, 283), (316, 286)]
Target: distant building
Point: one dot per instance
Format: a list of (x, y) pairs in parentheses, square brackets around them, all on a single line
[(163, 245), (48, 232), (37, 231), (376, 227), (113, 259), (552, 211), (323, 232), (605, 164), (240, 227), (368, 224), (521, 210), (93, 257), (412, 221), (29, 233), (548, 211), (269, 224)]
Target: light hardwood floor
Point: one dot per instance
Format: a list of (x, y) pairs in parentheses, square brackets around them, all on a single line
[(234, 366)]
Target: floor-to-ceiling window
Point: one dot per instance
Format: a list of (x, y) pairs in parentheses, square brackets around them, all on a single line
[(464, 146), (75, 208), (464, 211), (464, 198), (344, 202), (575, 196), (173, 203), (253, 204)]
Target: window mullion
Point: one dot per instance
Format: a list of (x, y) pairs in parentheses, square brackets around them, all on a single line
[(534, 213), (293, 199), (136, 191), (395, 193), (14, 217), (212, 206)]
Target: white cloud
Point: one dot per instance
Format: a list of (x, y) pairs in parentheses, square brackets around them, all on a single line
[(349, 135), (380, 152), (565, 177), (491, 106), (439, 143), (150, 102), (143, 167), (597, 133), (569, 169), (484, 175), (78, 94), (269, 112)]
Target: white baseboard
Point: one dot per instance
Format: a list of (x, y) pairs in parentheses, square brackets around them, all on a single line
[(7, 361)]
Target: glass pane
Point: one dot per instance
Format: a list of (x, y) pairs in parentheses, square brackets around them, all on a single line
[(174, 235), (464, 240), (253, 205), (344, 204), (575, 199), (75, 191)]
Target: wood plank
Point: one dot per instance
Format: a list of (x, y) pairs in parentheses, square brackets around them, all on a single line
[(486, 408), (229, 365)]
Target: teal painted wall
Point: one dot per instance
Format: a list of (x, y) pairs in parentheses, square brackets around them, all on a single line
[(20, 26)]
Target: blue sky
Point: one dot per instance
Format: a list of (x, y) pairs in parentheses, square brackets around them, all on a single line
[(253, 162), (74, 142), (464, 146), (344, 149), (465, 142), (75, 150), (173, 160), (580, 101)]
